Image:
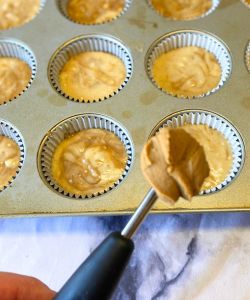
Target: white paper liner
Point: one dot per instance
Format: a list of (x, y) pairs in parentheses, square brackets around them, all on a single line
[(42, 4), (185, 38), (247, 56), (215, 4), (70, 126), (18, 49), (218, 123), (83, 43), (62, 6), (247, 4), (10, 131)]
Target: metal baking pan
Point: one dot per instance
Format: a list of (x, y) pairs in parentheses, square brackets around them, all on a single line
[(139, 106)]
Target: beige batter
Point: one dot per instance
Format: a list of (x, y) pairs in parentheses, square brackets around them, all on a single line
[(187, 72), (9, 160), (94, 12), (175, 164), (92, 75), (89, 161), (14, 77), (218, 153), (182, 9), (14, 13)]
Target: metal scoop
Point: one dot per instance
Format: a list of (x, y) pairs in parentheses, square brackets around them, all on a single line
[(99, 274)]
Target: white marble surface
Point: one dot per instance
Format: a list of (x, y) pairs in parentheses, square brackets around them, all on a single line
[(192, 256)]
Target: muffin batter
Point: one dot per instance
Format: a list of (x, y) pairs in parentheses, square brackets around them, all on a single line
[(218, 153), (89, 161), (87, 12), (186, 72), (14, 77), (9, 160), (92, 75), (174, 163), (14, 13), (182, 9)]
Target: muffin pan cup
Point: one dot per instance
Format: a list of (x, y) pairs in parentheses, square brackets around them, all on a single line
[(62, 7), (215, 4), (217, 122), (10, 131), (86, 43), (73, 125), (14, 48), (186, 38)]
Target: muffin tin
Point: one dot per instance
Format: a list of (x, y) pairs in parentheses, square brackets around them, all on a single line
[(139, 106)]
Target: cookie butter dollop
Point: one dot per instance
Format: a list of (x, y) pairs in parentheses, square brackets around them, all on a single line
[(182, 9), (14, 77), (92, 75), (14, 13), (217, 150), (174, 163), (89, 161), (187, 72), (99, 11), (9, 160)]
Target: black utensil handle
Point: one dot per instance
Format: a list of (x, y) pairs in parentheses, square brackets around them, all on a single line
[(98, 275)]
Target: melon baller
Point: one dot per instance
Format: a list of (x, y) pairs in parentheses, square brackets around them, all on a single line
[(98, 275)]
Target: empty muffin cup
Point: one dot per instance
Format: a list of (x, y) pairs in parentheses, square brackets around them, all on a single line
[(17, 13), (218, 123), (17, 62), (68, 128), (91, 80), (247, 56), (89, 13), (179, 10), (10, 131), (191, 75)]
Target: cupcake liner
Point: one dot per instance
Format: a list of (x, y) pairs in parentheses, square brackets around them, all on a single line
[(185, 38), (247, 56), (246, 3), (18, 49), (62, 6), (70, 126), (10, 131), (84, 43), (218, 123), (42, 4), (215, 4)]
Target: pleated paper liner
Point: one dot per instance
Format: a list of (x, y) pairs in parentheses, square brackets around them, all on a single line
[(10, 131), (73, 125), (185, 38), (247, 56), (42, 4), (88, 43), (62, 6), (17, 49), (215, 4), (217, 122)]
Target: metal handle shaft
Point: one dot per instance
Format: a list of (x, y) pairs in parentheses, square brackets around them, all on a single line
[(139, 214)]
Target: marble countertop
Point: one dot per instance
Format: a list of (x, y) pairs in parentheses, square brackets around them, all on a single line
[(181, 256)]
